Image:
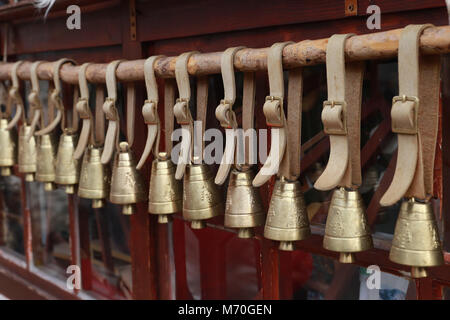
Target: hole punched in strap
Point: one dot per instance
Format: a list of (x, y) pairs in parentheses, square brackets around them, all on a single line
[(226, 115), (55, 100), (182, 113), (15, 98), (150, 111), (341, 115), (415, 117), (111, 113), (274, 113)]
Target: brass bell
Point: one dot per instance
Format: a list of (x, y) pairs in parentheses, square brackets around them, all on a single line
[(347, 230), (243, 207), (165, 193), (127, 185), (8, 151), (94, 177), (416, 241), (287, 218), (45, 170), (66, 167), (27, 156), (201, 198)]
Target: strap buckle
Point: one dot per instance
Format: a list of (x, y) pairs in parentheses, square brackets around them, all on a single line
[(273, 110), (226, 115), (150, 113), (110, 110), (408, 126), (182, 112), (82, 107), (341, 129)]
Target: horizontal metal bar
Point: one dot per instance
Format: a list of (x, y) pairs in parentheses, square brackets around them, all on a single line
[(374, 46)]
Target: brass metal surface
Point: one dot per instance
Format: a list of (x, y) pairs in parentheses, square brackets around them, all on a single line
[(67, 169), (8, 149), (27, 156)]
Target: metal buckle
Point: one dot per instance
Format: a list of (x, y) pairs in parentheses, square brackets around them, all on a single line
[(333, 103), (405, 98), (277, 121)]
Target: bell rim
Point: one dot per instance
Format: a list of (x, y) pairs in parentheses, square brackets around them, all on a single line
[(203, 214), (248, 220), (165, 208), (415, 258), (279, 234), (350, 244)]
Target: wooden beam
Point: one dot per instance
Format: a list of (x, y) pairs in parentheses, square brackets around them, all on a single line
[(374, 46)]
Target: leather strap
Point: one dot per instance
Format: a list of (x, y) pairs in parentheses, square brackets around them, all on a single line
[(226, 115), (150, 111), (414, 116), (99, 128), (169, 102), (275, 118), (182, 112), (341, 117), (84, 112), (131, 112), (248, 118), (55, 100), (202, 106), (111, 113), (15, 97), (34, 100)]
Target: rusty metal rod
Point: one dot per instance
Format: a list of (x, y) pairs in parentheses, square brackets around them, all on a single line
[(374, 46)]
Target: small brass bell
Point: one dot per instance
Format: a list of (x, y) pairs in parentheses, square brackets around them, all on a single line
[(45, 170), (287, 219), (165, 193), (127, 185), (347, 230), (94, 178), (27, 153), (66, 167), (243, 208), (8, 151), (416, 241), (201, 198)]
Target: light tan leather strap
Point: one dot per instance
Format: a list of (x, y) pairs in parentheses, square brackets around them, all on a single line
[(182, 112), (131, 112), (414, 116), (150, 111), (274, 113), (55, 100), (341, 117), (290, 165), (15, 97), (84, 112), (111, 113), (226, 115), (248, 118), (202, 106), (34, 100), (169, 102)]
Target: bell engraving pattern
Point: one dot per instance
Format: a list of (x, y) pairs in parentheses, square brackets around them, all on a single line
[(27, 156), (347, 230), (287, 219), (416, 240), (243, 208)]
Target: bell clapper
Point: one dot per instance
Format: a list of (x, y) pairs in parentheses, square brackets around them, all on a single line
[(198, 224), (245, 233), (98, 203), (29, 177), (6, 171), (286, 246), (49, 186), (418, 272), (128, 209), (164, 218), (70, 189), (347, 257)]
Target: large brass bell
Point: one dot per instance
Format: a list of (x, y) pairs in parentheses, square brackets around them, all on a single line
[(243, 208), (8, 151), (27, 156), (416, 241), (127, 185), (165, 193), (201, 197), (45, 170), (347, 230), (94, 177), (287, 219), (66, 167)]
